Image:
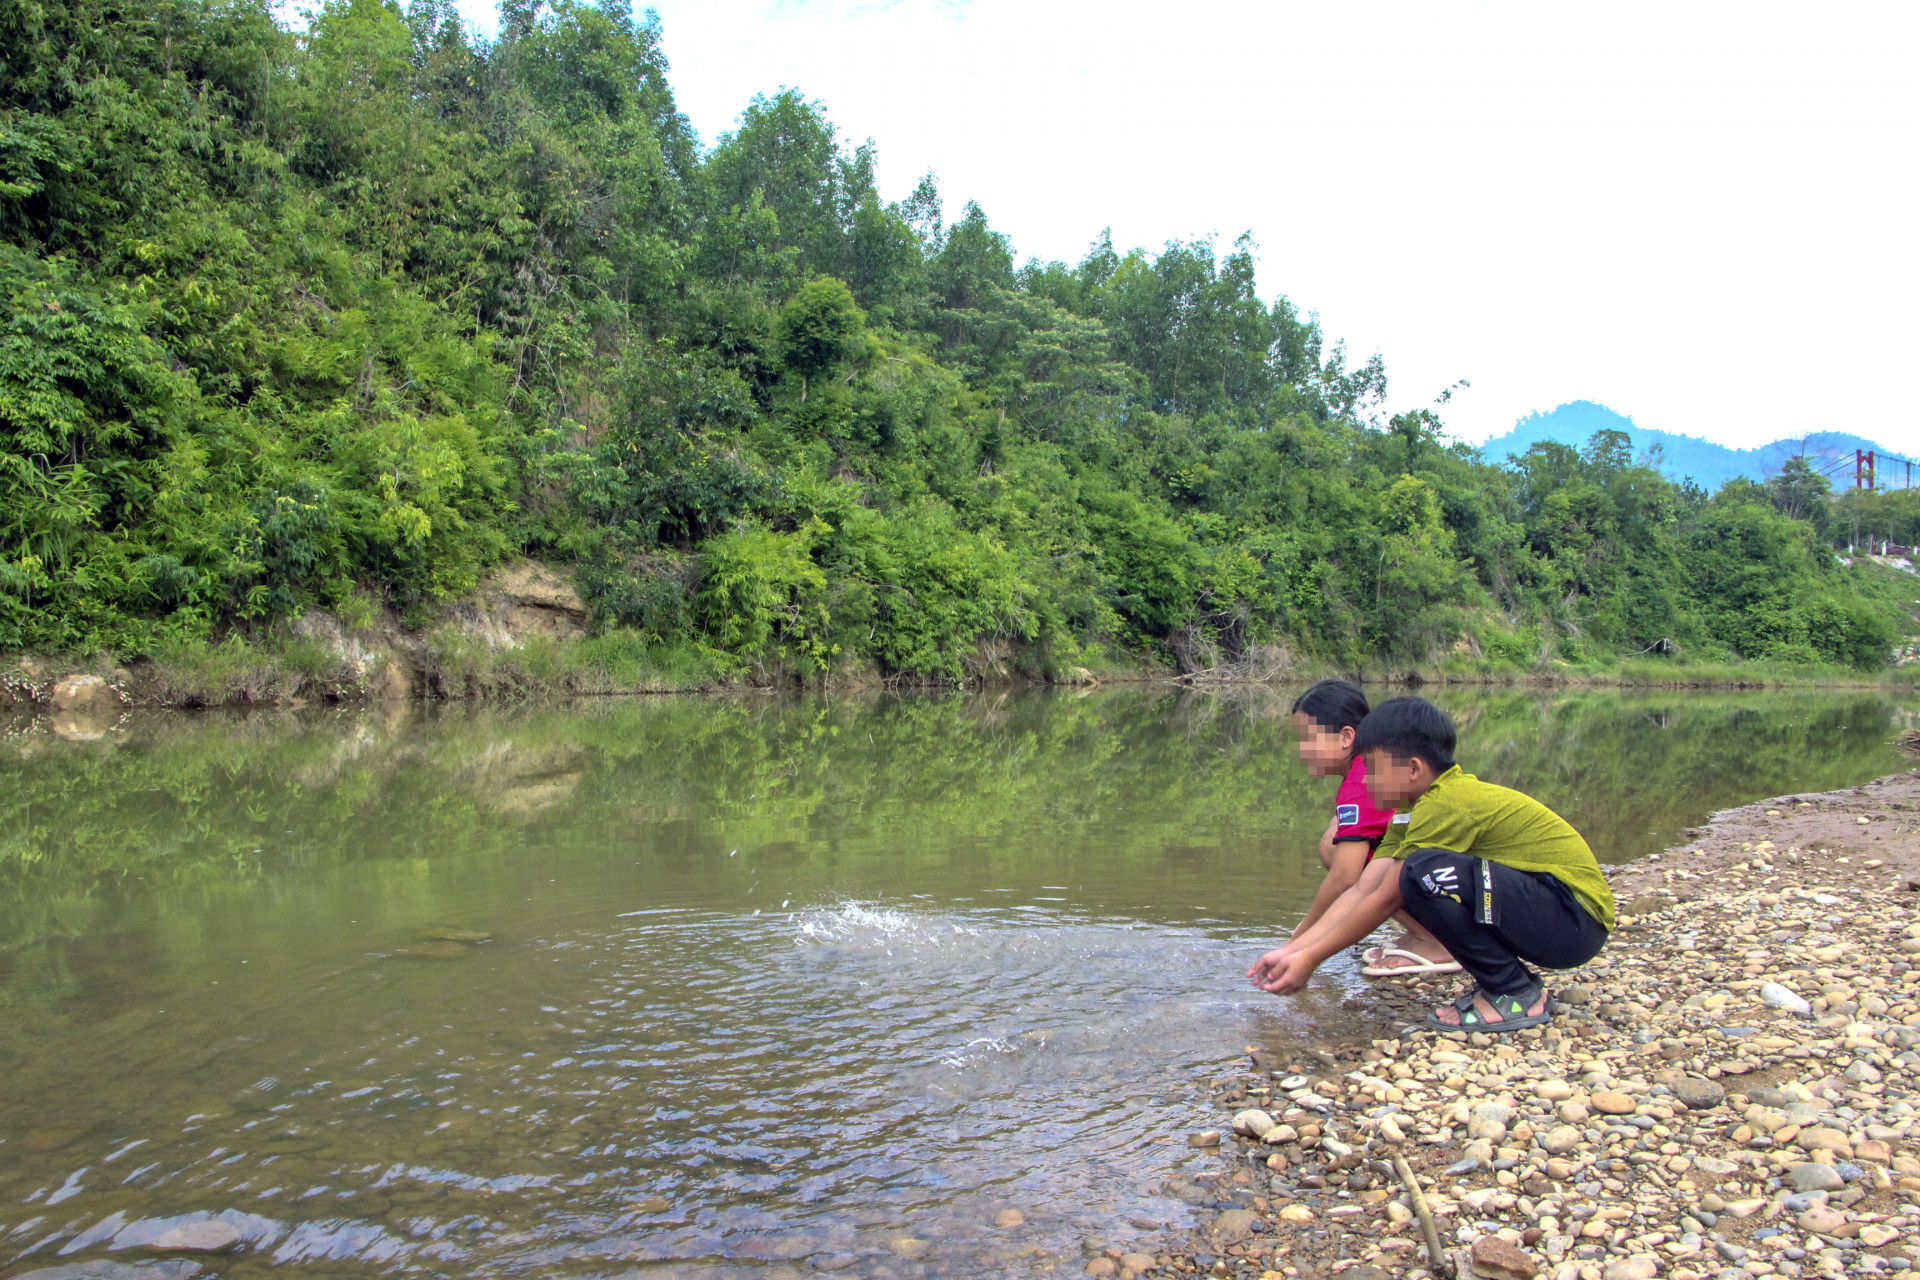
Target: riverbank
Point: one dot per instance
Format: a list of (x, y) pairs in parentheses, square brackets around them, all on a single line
[(526, 632), (1727, 1091), (326, 663)]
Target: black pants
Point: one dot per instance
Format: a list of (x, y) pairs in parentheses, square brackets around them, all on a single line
[(1492, 917)]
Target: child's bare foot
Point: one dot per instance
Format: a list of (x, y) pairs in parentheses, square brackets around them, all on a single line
[(1414, 953), (1487, 1016), (1418, 941)]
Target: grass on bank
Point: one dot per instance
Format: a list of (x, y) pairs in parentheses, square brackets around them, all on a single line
[(242, 670), (1651, 672), (613, 662), (280, 667)]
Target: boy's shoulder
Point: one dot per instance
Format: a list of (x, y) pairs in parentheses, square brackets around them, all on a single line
[(1452, 789), (1459, 793)]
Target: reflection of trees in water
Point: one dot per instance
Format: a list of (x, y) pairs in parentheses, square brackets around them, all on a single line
[(1623, 767), (182, 798)]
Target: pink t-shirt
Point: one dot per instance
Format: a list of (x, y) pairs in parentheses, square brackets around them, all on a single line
[(1354, 813)]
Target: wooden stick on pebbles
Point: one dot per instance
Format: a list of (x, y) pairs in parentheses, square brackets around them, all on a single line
[(1442, 1266)]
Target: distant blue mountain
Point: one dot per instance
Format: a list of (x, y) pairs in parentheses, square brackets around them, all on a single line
[(1684, 457)]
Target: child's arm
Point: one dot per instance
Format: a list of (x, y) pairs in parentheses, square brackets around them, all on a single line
[(1357, 912), (1348, 860)]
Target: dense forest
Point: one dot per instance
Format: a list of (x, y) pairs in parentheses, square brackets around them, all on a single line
[(343, 318)]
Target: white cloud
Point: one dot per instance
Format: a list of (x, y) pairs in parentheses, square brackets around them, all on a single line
[(1699, 214)]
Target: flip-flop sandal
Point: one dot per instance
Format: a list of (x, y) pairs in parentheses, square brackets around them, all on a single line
[(1512, 1010), (1377, 968)]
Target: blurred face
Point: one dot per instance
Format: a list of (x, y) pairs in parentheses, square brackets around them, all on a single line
[(1395, 782), (1325, 751)]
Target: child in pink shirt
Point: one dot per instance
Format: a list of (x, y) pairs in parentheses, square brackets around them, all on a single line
[(1326, 717)]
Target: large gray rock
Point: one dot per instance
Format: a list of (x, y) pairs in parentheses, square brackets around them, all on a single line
[(1489, 1121), (102, 1269), (1561, 1139), (1822, 1220), (1813, 1176), (1233, 1225), (1639, 1267), (1699, 1095)]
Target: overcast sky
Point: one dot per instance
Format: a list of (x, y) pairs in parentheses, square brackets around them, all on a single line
[(1702, 215)]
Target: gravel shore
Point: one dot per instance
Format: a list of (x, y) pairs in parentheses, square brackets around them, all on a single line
[(1728, 1090)]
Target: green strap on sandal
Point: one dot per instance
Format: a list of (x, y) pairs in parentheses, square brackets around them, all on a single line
[(1511, 1008)]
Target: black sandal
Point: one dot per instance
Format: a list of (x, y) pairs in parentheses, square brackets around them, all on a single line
[(1512, 1010)]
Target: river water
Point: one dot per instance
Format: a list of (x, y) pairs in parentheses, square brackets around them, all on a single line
[(706, 986)]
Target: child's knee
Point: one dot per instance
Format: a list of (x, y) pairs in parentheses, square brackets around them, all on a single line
[(1434, 873), (1410, 889)]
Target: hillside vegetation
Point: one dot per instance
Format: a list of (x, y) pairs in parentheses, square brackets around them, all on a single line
[(343, 319)]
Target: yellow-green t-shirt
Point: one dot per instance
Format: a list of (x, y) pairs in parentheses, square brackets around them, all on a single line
[(1461, 814)]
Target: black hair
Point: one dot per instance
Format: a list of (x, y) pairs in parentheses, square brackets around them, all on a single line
[(1411, 729), (1333, 704)]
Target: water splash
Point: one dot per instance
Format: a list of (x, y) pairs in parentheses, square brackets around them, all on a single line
[(979, 1050), (855, 924)]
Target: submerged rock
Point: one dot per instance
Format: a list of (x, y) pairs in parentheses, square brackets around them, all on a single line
[(435, 950), (1233, 1225), (212, 1236), (103, 1269)]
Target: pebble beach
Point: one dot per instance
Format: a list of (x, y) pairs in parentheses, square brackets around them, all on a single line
[(1728, 1090)]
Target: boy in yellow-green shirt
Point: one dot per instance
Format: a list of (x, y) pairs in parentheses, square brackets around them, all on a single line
[(1497, 877)]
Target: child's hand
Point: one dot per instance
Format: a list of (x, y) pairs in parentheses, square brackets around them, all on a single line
[(1264, 965), (1267, 965), (1282, 972)]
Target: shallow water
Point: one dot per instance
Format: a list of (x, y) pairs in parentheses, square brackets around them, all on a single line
[(705, 986)]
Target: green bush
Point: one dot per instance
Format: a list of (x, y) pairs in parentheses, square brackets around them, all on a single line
[(760, 595), (1849, 632)]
